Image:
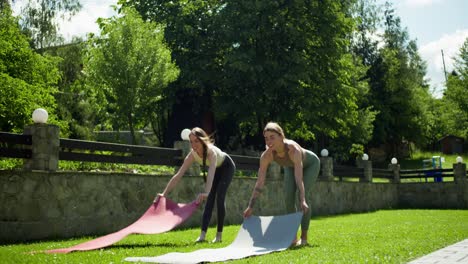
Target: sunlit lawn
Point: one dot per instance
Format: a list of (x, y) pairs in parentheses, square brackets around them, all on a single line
[(386, 236), (416, 160)]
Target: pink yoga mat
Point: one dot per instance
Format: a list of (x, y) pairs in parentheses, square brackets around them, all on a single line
[(162, 216)]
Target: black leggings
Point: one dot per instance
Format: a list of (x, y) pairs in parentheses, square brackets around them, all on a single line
[(222, 179)]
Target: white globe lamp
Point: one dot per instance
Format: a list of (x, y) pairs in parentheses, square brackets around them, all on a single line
[(394, 161), (459, 159), (40, 116), (324, 153), (185, 134), (365, 156)]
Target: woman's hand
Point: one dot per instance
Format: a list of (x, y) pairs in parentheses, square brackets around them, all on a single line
[(201, 197), (304, 206), (248, 212), (157, 197)]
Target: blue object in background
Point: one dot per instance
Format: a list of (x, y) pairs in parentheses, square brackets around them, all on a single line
[(434, 163)]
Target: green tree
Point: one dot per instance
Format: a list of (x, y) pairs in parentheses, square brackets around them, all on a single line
[(193, 33), (27, 79), (456, 95), (40, 19), (77, 102), (5, 4), (290, 62), (131, 65), (399, 91), (364, 50), (458, 84), (252, 62), (363, 43)]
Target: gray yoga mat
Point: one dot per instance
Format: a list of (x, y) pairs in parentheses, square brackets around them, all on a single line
[(258, 235)]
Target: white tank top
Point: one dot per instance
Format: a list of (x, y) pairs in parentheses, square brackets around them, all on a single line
[(220, 156)]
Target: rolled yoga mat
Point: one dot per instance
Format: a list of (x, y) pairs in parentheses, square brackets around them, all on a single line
[(162, 216), (258, 235)]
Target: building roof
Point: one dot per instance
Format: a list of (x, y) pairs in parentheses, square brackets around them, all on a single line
[(451, 136)]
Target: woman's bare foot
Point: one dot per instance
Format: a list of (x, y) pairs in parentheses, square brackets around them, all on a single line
[(294, 242)]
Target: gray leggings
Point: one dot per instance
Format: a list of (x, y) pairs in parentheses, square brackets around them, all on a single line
[(311, 169), (222, 179)]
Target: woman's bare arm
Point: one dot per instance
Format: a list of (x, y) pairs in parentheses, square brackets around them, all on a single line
[(265, 160), (296, 154)]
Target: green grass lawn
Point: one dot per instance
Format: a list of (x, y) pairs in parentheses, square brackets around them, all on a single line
[(385, 236), (416, 160)]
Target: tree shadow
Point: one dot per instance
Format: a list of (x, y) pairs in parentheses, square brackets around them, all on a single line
[(144, 245)]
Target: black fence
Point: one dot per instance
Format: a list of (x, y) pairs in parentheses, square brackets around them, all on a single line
[(351, 173), (15, 145), (19, 146), (434, 175), (382, 174), (89, 151), (427, 175), (343, 172), (80, 150)]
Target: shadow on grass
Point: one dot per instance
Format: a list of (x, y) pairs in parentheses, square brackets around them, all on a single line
[(309, 246), (140, 245)]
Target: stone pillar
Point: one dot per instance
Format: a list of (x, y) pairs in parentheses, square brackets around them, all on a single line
[(459, 172), (45, 147), (359, 162), (367, 167), (395, 168), (195, 169), (326, 166)]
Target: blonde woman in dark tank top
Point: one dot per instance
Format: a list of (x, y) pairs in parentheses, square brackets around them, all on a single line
[(301, 169)]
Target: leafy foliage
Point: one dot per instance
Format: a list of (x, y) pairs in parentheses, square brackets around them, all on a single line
[(313, 66), (253, 62), (77, 101), (193, 33), (289, 63), (39, 20), (131, 65), (456, 95), (27, 79), (398, 92)]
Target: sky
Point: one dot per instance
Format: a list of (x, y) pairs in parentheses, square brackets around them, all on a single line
[(435, 25)]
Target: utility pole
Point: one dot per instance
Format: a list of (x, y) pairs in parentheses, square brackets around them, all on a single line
[(443, 61)]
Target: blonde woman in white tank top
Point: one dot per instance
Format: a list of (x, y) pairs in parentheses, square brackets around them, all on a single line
[(220, 172)]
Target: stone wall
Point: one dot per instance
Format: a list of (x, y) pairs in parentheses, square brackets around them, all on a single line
[(447, 195), (46, 205), (331, 198), (40, 205)]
